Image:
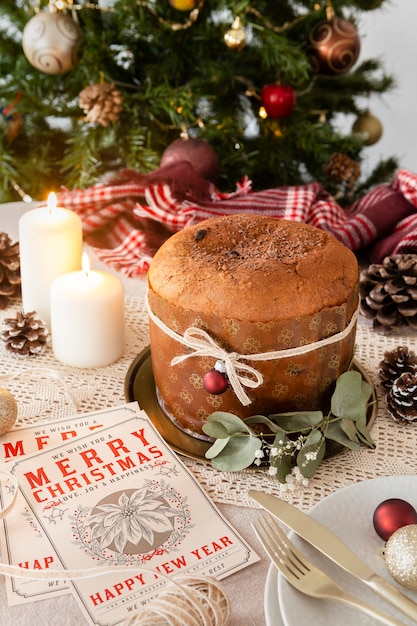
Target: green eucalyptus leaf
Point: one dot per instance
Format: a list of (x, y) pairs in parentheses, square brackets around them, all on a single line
[(335, 433), (217, 447), (283, 459), (261, 419), (351, 396), (298, 421), (349, 428), (311, 454), (220, 424), (314, 437), (364, 435), (238, 453)]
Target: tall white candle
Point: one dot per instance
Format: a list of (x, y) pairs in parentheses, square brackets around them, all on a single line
[(87, 318), (50, 244)]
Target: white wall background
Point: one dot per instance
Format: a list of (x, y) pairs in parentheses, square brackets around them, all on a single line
[(390, 35)]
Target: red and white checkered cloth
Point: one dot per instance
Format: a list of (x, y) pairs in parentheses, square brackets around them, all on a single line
[(128, 217)]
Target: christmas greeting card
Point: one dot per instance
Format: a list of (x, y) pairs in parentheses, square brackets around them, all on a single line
[(120, 500), (26, 545)]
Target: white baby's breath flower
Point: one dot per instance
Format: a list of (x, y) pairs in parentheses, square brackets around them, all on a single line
[(274, 451), (298, 444), (295, 480), (272, 471), (259, 454)]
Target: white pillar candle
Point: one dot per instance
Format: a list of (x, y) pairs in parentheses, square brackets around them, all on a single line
[(50, 244), (87, 318)]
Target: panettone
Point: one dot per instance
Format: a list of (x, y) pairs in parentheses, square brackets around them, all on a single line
[(282, 294)]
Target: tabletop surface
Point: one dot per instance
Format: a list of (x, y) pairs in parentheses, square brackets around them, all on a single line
[(394, 454)]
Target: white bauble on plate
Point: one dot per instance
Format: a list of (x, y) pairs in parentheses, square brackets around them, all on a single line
[(51, 42)]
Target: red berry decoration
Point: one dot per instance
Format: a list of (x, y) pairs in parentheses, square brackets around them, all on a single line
[(278, 100), (215, 382), (391, 515)]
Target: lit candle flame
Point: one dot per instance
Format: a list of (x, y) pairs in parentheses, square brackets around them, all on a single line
[(85, 263), (52, 202)]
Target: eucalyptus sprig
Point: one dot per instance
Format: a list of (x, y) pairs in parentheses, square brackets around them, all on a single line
[(294, 442)]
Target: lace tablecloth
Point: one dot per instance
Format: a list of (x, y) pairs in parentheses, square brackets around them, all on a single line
[(45, 389)]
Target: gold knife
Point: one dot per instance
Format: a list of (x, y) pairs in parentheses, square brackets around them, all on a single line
[(329, 544)]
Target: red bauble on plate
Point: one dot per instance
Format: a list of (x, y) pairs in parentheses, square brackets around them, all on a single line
[(278, 100), (391, 515)]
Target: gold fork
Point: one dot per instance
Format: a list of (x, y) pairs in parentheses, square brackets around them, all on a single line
[(305, 576)]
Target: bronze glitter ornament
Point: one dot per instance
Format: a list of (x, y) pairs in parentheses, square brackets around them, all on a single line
[(8, 411), (333, 46)]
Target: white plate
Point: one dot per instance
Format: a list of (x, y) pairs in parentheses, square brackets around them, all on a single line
[(271, 602), (348, 513)]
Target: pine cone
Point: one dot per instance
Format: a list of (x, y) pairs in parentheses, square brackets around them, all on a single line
[(9, 270), (102, 103), (395, 363), (26, 335), (342, 169), (402, 398), (388, 293)]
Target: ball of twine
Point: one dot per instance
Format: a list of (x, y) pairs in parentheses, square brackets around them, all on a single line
[(186, 601)]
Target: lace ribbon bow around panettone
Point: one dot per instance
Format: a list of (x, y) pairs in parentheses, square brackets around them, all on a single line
[(239, 373)]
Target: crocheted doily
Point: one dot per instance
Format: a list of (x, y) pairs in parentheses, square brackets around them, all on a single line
[(46, 389)]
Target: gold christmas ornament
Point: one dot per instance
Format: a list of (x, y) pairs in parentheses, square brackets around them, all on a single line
[(8, 411), (101, 103), (51, 42), (369, 128), (401, 556), (182, 5), (235, 37)]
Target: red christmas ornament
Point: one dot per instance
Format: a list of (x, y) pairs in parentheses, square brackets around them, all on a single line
[(198, 153), (278, 100), (391, 515), (215, 381), (333, 46)]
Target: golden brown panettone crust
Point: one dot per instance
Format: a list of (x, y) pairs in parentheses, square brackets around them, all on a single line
[(253, 268)]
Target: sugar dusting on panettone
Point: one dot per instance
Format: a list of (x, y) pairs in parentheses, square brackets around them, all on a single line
[(253, 249)]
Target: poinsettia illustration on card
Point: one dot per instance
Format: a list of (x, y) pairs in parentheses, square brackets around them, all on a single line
[(119, 499), (26, 546)]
